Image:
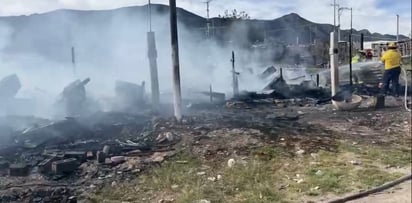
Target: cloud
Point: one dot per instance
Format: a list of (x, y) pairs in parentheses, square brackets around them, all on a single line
[(374, 15)]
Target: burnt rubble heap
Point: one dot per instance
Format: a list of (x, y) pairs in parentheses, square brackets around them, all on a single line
[(63, 160), (95, 147)]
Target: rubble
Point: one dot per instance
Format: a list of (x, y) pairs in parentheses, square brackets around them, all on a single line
[(216, 97), (89, 152), (79, 155), (65, 166), (165, 137), (101, 157), (74, 98), (46, 165), (19, 169), (117, 160), (128, 96), (63, 150)]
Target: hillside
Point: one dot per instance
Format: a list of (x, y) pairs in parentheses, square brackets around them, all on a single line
[(52, 34)]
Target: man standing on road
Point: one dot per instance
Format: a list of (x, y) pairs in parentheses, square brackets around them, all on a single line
[(392, 61)]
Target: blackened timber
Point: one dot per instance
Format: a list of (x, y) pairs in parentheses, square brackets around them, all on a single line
[(175, 59)]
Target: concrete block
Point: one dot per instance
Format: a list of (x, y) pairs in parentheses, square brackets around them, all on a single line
[(89, 155), (117, 160), (65, 166), (46, 165), (100, 156), (20, 169)]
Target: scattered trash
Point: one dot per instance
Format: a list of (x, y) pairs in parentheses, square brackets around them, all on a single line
[(355, 162), (300, 152), (213, 179), (202, 173), (231, 163), (203, 201)]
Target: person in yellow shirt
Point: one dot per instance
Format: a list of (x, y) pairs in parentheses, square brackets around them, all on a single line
[(392, 61)]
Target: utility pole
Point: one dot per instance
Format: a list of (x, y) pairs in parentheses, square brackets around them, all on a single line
[(207, 18), (340, 11), (334, 70), (350, 50), (334, 14), (397, 28), (175, 59), (339, 14), (152, 55)]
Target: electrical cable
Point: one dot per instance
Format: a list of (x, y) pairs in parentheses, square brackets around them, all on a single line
[(372, 191), (406, 90)]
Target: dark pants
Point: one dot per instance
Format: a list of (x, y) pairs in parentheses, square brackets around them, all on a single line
[(391, 75)]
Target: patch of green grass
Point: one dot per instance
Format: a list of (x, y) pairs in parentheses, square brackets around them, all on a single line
[(380, 155), (330, 180), (260, 176), (173, 173), (254, 182), (375, 177), (392, 157)]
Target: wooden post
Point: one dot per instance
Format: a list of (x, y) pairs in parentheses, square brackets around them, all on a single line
[(175, 59), (234, 75)]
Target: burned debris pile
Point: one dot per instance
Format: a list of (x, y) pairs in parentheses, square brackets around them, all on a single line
[(82, 151), (128, 95)]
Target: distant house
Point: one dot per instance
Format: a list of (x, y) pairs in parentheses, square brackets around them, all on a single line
[(378, 47)]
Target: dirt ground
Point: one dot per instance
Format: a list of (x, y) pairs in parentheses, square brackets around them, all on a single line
[(285, 151)]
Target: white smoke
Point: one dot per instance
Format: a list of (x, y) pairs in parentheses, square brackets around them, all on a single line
[(116, 51)]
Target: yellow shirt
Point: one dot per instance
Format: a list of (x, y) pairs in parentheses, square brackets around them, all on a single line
[(392, 59), (355, 59)]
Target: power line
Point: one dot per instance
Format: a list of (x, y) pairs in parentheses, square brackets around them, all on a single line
[(150, 15)]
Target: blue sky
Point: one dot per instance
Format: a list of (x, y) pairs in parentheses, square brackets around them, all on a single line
[(375, 15)]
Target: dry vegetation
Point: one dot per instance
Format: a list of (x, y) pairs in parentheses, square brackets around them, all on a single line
[(266, 175)]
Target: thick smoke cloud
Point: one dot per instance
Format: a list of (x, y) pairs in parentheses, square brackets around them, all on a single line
[(115, 51)]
